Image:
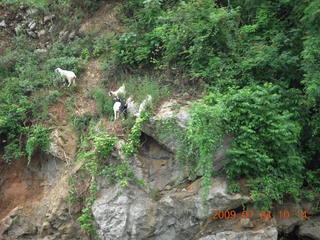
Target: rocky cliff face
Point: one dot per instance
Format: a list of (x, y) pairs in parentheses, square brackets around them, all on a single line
[(34, 199), (43, 214), (178, 210), (168, 207)]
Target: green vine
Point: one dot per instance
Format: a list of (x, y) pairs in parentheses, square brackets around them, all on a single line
[(38, 139), (102, 145), (131, 146), (201, 141)]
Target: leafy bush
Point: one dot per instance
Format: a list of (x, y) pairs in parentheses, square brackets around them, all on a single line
[(42, 102), (141, 86), (103, 145), (120, 173), (266, 128), (81, 122), (266, 132), (86, 219), (104, 102), (12, 152), (38, 140), (313, 184), (202, 139), (269, 188), (102, 44), (131, 146)]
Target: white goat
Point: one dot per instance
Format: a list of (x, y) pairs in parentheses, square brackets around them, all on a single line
[(67, 75), (120, 91), (132, 106), (116, 109), (144, 105)]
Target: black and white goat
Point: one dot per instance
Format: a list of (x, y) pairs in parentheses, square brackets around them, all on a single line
[(119, 107)]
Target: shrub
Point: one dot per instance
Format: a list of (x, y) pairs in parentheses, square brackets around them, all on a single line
[(266, 132), (131, 146), (86, 219), (103, 145), (148, 84), (104, 102), (202, 139), (81, 122), (12, 152), (38, 140), (120, 173)]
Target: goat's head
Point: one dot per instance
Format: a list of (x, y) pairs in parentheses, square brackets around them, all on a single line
[(57, 70)]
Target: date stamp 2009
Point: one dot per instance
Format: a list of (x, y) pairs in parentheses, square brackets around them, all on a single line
[(265, 215)]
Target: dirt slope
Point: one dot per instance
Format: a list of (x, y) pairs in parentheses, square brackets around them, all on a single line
[(21, 186)]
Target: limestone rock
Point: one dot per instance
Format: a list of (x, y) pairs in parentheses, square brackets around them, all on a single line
[(63, 145), (72, 35), (246, 223), (32, 11), (32, 34), (179, 119), (40, 50), (134, 215), (269, 233), (63, 35), (219, 199), (6, 222), (170, 122), (48, 18), (311, 229), (18, 28), (56, 146), (3, 24), (32, 25), (41, 33), (156, 165)]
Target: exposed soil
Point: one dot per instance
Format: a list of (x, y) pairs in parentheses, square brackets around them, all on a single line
[(90, 79), (59, 111), (103, 20), (18, 186)]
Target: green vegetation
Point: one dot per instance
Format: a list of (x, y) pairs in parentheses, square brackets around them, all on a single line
[(202, 139), (132, 144), (12, 151), (140, 86), (26, 79), (86, 219), (119, 173), (46, 5), (258, 61), (104, 102), (102, 145), (95, 150), (38, 139)]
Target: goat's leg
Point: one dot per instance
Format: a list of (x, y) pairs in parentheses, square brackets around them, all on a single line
[(73, 81), (69, 81), (115, 114)]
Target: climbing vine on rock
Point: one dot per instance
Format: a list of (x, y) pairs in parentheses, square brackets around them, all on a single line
[(131, 146)]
